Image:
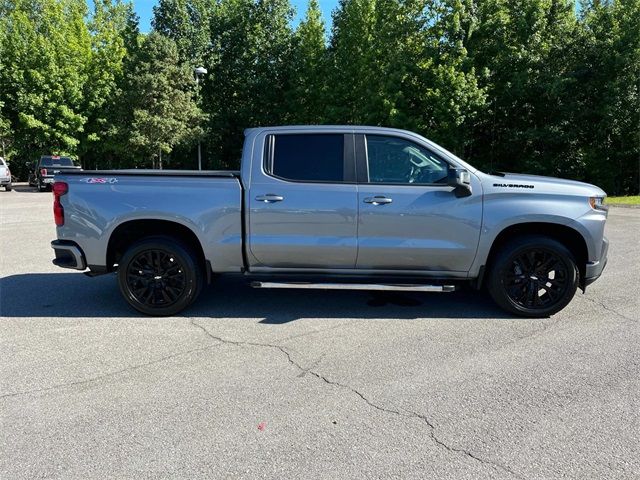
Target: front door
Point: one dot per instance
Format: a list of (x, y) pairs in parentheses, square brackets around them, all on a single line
[(409, 218), (302, 203)]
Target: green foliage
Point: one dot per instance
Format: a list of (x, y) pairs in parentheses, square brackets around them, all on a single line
[(109, 28), (607, 94), (537, 86), (248, 66), (403, 64), (46, 47), (308, 87), (187, 23), (523, 48), (161, 94)]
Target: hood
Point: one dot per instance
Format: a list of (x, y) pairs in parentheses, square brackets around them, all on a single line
[(538, 183)]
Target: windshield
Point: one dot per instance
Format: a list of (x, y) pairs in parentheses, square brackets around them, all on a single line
[(56, 162)]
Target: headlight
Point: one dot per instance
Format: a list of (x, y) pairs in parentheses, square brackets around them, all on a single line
[(597, 203)]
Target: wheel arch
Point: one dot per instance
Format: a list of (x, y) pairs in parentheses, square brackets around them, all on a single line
[(571, 238), (131, 231)]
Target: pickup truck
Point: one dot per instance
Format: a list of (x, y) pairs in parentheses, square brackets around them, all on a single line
[(334, 207), (44, 170)]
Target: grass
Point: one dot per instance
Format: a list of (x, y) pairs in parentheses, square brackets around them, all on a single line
[(623, 200)]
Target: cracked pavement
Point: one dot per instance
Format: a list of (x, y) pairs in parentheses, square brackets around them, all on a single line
[(342, 384)]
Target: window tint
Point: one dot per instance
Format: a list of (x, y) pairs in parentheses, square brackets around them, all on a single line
[(394, 160), (302, 157), (57, 162)]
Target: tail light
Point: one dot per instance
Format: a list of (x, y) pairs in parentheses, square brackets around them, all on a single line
[(59, 189), (43, 172)]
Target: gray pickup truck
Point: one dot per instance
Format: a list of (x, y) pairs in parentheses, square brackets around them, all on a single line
[(334, 207)]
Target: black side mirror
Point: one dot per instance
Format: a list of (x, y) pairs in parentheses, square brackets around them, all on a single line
[(460, 180)]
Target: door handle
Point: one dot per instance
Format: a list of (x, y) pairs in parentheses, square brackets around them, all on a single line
[(269, 198), (378, 200)]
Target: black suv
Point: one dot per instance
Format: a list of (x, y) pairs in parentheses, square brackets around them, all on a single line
[(42, 171)]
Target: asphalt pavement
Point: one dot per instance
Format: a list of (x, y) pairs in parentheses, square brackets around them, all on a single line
[(310, 384)]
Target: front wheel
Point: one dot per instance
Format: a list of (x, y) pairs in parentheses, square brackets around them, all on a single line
[(533, 276), (160, 276)]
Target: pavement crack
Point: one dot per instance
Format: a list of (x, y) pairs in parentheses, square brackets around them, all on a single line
[(406, 414), (108, 374), (441, 443), (606, 307)]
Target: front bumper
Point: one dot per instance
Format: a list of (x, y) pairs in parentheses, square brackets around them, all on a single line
[(593, 270), (68, 255)]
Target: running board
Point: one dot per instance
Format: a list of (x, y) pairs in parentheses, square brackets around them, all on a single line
[(357, 286)]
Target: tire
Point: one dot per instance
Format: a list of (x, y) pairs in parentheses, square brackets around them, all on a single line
[(41, 187), (533, 276), (8, 187), (160, 276)]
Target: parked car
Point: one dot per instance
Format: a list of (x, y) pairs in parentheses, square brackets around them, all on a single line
[(334, 208), (5, 175), (43, 171)]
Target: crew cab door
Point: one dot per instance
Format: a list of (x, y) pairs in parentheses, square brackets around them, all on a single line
[(302, 201), (410, 219)]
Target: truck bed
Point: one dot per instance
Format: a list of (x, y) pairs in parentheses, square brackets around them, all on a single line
[(208, 203), (159, 173)]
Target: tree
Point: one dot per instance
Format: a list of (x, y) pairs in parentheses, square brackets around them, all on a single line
[(6, 135), (187, 23), (403, 64), (249, 63), (307, 89), (523, 49), (110, 29), (607, 95), (160, 92), (351, 59), (45, 49)]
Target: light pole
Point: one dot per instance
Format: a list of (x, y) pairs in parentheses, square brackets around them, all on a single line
[(199, 71)]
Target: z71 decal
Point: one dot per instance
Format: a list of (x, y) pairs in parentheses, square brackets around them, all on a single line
[(99, 180)]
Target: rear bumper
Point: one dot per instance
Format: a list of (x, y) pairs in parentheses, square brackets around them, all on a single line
[(5, 181), (68, 255), (593, 270)]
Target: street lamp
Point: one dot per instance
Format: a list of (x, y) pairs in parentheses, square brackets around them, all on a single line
[(199, 71)]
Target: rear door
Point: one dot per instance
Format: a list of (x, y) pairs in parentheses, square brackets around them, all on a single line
[(302, 201), (410, 219)]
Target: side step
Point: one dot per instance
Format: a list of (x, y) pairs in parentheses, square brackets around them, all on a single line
[(357, 286)]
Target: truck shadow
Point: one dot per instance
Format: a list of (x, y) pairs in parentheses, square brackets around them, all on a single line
[(74, 295), (25, 188)]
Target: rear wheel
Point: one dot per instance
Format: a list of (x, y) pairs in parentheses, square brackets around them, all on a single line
[(41, 187), (533, 276), (8, 187), (160, 276)]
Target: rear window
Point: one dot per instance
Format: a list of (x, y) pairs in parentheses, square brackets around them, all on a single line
[(56, 162), (306, 157)]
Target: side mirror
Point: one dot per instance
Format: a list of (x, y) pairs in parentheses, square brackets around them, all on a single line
[(460, 180)]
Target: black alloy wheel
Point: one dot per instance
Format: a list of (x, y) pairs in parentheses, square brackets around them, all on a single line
[(159, 276), (533, 276)]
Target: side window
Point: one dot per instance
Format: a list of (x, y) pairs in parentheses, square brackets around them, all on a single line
[(306, 157), (395, 160)]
